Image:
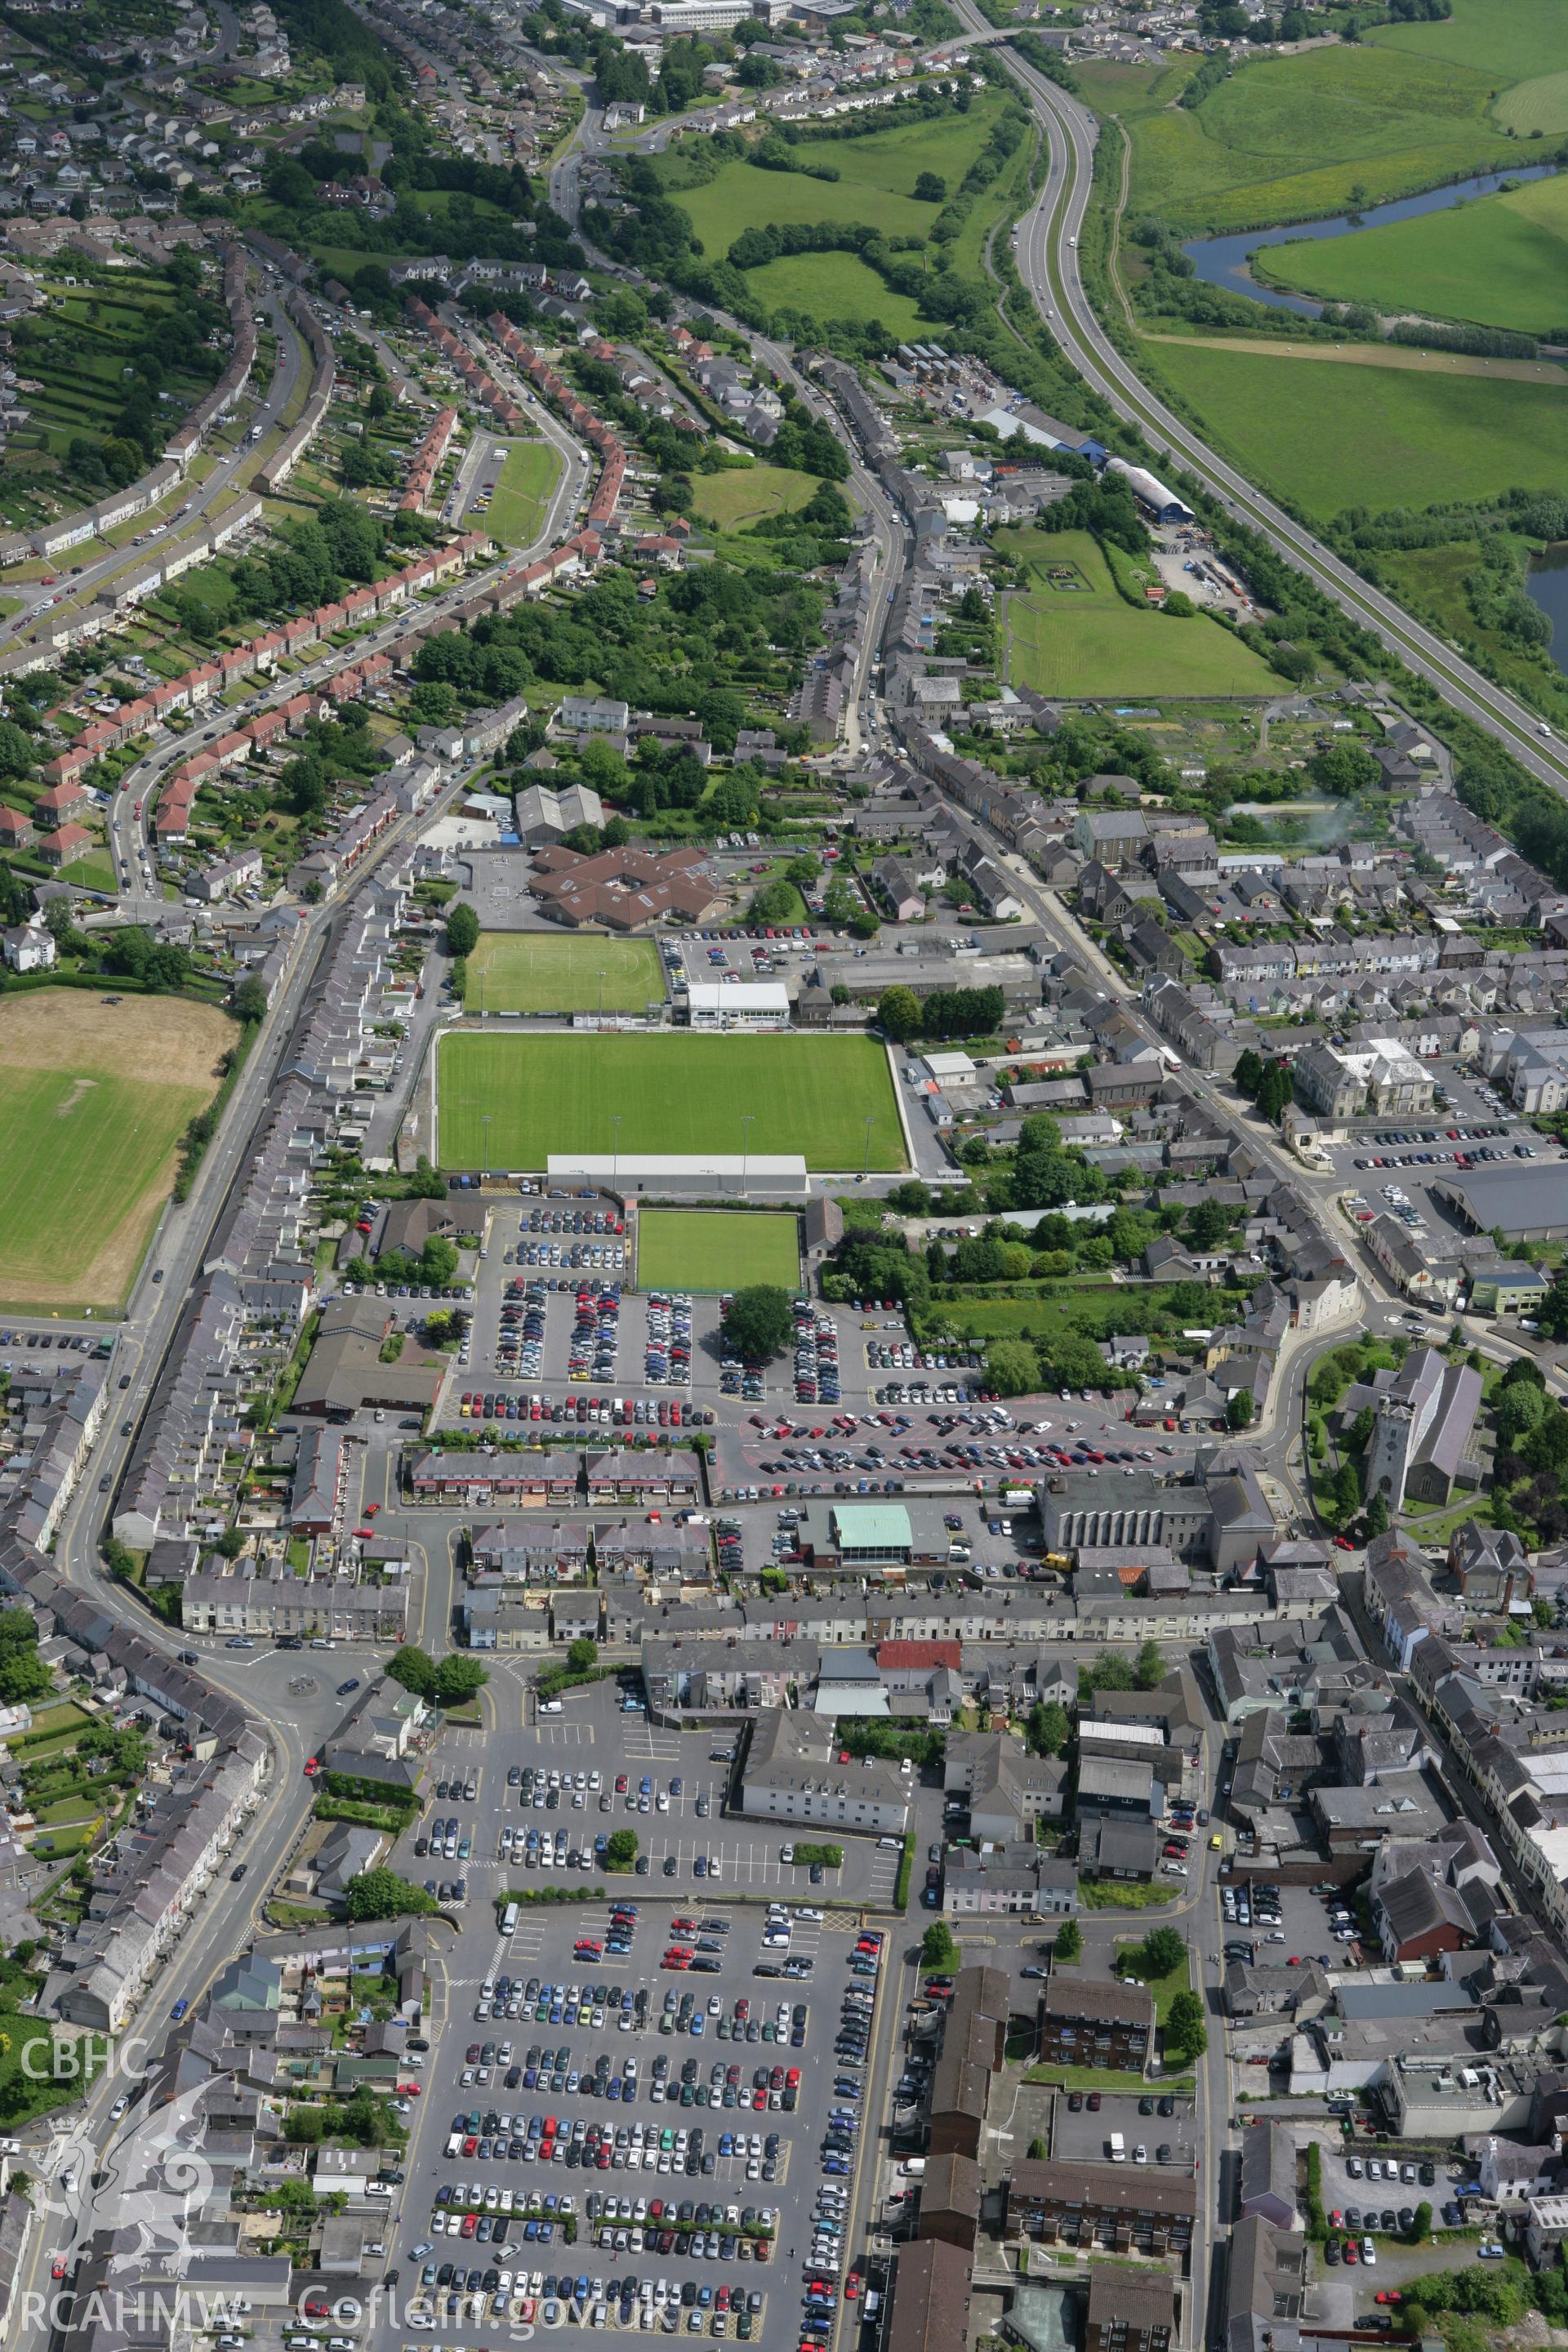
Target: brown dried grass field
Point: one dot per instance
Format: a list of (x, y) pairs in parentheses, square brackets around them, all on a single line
[(96, 1096)]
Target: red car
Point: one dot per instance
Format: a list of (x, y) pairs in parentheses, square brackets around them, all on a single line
[(1388, 2295), (313, 1766), (409, 2090), (851, 2286), (58, 2270)]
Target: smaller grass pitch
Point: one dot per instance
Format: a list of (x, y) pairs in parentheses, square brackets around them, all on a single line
[(556, 972), (717, 1249)]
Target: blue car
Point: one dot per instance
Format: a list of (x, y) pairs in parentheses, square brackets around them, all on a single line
[(178, 2010)]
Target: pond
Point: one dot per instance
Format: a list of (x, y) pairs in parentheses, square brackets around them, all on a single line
[(1546, 582), (1223, 261)]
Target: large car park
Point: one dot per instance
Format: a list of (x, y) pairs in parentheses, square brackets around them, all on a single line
[(644, 2106)]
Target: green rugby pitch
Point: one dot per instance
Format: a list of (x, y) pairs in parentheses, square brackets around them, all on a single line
[(673, 1093), (716, 1249), (549, 972)]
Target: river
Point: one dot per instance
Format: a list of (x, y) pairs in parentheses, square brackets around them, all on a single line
[(1222, 260)]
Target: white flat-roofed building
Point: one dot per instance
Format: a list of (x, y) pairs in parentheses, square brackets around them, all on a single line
[(677, 1172), (741, 1004), (1122, 1734)]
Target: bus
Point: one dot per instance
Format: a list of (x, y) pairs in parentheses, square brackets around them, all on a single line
[(509, 1919)]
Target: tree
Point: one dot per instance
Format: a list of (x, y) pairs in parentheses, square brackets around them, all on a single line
[(1150, 1669), (938, 1950), (1049, 1728), (1013, 1367), (249, 1000), (1068, 1944), (1378, 1515), (1422, 2224), (462, 928), (1208, 1224), (583, 1656), (898, 1012), (1159, 1954), (930, 188), (774, 902), (1274, 1090), (458, 1679), (1108, 1671), (1186, 2029), (415, 1669), (382, 1894), (621, 1850), (1239, 1408), (840, 902), (1039, 2151), (760, 1323), (24, 1677), (1345, 770)]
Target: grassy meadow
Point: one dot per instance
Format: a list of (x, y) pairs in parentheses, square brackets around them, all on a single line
[(1089, 641), (1371, 436), (522, 496), (716, 1249), (543, 971), (750, 494), (1501, 261)]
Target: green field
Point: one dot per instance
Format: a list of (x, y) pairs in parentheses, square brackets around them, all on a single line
[(837, 285), (1377, 437), (673, 1093), (522, 495), (1094, 642), (1297, 138), (110, 1140), (717, 1249), (1507, 40), (546, 971), (750, 494), (1502, 261), (875, 185)]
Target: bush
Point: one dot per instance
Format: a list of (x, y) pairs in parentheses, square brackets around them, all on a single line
[(831, 1857)]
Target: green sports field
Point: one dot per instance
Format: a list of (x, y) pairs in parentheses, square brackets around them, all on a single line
[(716, 1249), (673, 1093), (1376, 437), (550, 971), (1502, 261), (1088, 640), (97, 1097), (522, 495)]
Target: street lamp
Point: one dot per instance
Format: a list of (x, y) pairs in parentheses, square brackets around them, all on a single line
[(485, 1123), (747, 1116), (601, 996), (615, 1151), (865, 1163)]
